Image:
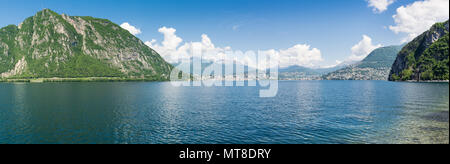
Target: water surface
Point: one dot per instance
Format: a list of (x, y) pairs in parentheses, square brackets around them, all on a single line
[(303, 112)]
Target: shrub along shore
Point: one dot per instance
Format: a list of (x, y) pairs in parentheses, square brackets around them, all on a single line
[(122, 79), (80, 79)]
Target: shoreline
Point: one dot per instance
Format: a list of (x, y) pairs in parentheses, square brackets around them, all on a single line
[(121, 79), (428, 81), (81, 79)]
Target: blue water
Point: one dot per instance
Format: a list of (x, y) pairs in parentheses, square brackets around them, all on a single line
[(302, 112)]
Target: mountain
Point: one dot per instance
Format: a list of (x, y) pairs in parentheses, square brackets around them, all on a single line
[(304, 73), (188, 67), (297, 73), (424, 58), (50, 45), (376, 66), (296, 68)]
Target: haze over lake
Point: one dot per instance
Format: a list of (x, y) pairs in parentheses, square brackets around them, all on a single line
[(157, 112)]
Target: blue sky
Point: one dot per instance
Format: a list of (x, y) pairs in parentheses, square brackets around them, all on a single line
[(331, 26)]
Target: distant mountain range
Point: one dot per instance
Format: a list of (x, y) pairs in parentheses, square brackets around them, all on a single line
[(424, 58), (50, 45), (304, 73), (188, 67), (376, 66)]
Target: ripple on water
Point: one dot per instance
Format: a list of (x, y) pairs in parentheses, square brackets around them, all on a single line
[(303, 112)]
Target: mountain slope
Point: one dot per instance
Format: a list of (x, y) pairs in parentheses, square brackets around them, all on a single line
[(52, 45), (298, 73), (304, 73), (375, 66), (424, 58)]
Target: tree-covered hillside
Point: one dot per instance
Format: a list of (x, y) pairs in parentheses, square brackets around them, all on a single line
[(375, 66), (424, 58), (51, 45)]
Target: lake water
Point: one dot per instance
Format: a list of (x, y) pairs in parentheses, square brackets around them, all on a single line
[(156, 112)]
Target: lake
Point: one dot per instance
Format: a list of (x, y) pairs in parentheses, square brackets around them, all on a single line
[(156, 112)]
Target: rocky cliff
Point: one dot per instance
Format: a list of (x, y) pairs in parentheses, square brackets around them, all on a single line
[(424, 58), (52, 45)]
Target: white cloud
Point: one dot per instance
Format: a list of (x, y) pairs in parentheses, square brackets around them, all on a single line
[(235, 27), (380, 6), (362, 49), (300, 54), (171, 41), (171, 48), (172, 51), (133, 30), (419, 16), (358, 52)]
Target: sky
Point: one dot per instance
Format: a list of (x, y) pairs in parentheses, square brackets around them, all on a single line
[(312, 33)]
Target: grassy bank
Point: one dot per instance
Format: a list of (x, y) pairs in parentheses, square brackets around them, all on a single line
[(428, 81), (84, 79)]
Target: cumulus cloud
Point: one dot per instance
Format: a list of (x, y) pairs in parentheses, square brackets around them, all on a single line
[(171, 41), (173, 51), (362, 49), (133, 30), (300, 54), (419, 16), (235, 27), (380, 6)]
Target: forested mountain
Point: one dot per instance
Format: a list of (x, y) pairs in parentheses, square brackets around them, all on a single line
[(52, 45), (424, 58), (376, 66)]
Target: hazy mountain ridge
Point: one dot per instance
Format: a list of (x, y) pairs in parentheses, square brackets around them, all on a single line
[(304, 73), (376, 66), (52, 45)]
